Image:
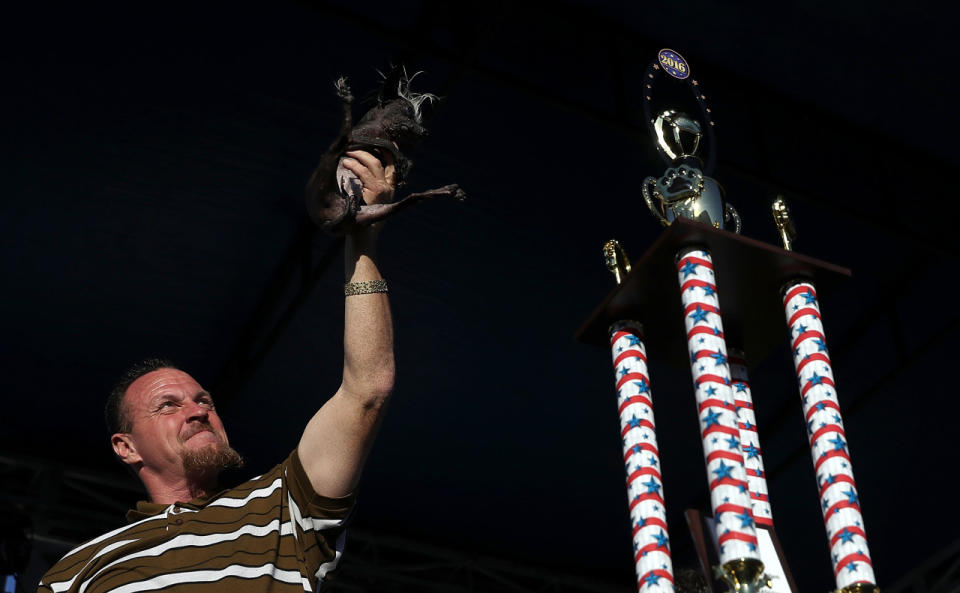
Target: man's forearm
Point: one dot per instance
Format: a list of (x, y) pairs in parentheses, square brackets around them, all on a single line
[(368, 366)]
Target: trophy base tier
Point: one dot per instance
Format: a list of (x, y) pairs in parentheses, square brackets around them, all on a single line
[(749, 276)]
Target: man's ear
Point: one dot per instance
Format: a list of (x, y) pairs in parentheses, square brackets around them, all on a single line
[(125, 448)]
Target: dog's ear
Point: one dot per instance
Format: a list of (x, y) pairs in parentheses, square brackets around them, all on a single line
[(393, 81)]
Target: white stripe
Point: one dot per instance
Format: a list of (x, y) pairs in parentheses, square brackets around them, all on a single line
[(210, 576), (239, 502), (64, 585), (109, 534), (190, 540), (328, 566)]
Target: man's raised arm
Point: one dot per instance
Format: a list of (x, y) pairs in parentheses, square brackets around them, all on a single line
[(338, 437)]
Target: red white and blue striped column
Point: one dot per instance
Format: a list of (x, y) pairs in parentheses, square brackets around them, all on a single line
[(750, 440), (648, 515), (726, 474), (839, 500)]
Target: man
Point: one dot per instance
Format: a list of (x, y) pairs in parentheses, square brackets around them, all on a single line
[(282, 531)]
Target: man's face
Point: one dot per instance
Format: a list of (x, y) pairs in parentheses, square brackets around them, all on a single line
[(174, 424)]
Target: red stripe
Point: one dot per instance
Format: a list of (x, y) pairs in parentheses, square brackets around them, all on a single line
[(650, 522), (843, 504), (650, 548), (694, 260), (703, 306), (764, 521), (643, 497), (635, 399), (760, 497), (851, 529), (716, 402), (827, 403), (800, 289), (686, 284), (729, 482), (753, 472), (743, 426), (632, 377), (837, 479), (660, 573), (645, 471), (742, 403), (629, 354), (810, 358), (851, 558), (724, 429), (826, 430), (730, 455), (830, 455), (807, 335), (823, 381), (703, 329), (738, 536), (643, 424), (802, 312), (643, 447), (733, 508), (707, 378), (623, 333)]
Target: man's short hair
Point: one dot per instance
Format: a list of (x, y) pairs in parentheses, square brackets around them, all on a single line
[(115, 412)]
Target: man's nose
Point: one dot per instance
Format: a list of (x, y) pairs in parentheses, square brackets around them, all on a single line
[(197, 413)]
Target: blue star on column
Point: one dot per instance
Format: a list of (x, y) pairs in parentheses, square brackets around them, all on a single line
[(708, 290), (733, 442), (653, 461), (751, 451), (711, 390), (838, 443), (821, 406), (662, 539), (642, 386), (752, 546), (825, 503), (636, 449), (698, 315), (846, 536), (711, 418), (718, 358), (815, 379), (809, 297), (852, 497), (624, 372), (801, 328), (821, 345), (652, 579), (723, 470), (716, 331), (633, 341), (634, 422), (745, 519), (852, 567), (640, 522), (652, 486), (688, 268), (741, 386)]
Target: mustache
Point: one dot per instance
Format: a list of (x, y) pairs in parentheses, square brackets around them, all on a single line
[(197, 428)]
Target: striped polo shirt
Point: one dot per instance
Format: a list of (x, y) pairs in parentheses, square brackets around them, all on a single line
[(271, 533)]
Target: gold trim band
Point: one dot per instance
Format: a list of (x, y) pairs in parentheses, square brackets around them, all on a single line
[(370, 286)]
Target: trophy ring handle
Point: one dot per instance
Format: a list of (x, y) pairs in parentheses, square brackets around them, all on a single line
[(645, 188), (730, 213)]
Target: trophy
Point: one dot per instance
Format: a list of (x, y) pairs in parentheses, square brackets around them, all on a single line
[(685, 189), (702, 247)]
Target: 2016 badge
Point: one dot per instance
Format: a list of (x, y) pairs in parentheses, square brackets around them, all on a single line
[(674, 64)]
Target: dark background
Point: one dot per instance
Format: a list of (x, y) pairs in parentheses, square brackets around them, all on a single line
[(153, 161)]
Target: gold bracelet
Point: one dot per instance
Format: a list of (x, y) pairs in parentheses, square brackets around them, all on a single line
[(370, 286)]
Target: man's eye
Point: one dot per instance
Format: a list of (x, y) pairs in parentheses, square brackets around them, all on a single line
[(166, 404)]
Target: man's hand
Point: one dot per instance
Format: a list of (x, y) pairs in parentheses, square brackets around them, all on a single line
[(378, 179)]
